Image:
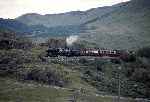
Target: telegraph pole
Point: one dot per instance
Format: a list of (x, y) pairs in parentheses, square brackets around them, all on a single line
[(119, 84)]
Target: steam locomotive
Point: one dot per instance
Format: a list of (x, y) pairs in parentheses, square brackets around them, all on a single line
[(68, 52)]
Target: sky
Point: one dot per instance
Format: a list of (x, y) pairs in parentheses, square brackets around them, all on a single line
[(15, 8)]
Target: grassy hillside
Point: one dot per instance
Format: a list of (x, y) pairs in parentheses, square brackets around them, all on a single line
[(125, 28), (27, 75), (14, 91), (122, 26)]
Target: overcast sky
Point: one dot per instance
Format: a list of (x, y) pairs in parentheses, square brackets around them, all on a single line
[(15, 8)]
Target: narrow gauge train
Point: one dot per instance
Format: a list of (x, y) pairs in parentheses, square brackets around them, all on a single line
[(54, 52)]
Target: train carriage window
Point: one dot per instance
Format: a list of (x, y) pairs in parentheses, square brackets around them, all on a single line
[(111, 52), (100, 51), (108, 52), (96, 51), (87, 52), (114, 52), (105, 52)]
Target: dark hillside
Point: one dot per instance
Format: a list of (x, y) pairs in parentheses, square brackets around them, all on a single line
[(13, 25), (40, 30)]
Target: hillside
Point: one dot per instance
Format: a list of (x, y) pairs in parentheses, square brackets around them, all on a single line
[(27, 74), (122, 26), (125, 28), (39, 30), (63, 19), (26, 71), (13, 25)]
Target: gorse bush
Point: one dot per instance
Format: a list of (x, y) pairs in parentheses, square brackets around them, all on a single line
[(50, 77), (16, 52), (13, 63), (9, 40), (144, 52)]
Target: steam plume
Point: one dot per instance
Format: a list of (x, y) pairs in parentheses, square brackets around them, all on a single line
[(71, 39)]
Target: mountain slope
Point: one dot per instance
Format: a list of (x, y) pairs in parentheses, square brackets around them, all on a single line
[(14, 26), (63, 19), (39, 30), (63, 24), (125, 28), (122, 26)]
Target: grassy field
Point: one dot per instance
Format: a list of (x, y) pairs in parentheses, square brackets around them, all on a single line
[(77, 89), (13, 91)]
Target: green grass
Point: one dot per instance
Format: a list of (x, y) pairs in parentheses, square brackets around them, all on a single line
[(13, 91)]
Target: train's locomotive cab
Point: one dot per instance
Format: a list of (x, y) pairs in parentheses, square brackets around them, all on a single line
[(64, 52)]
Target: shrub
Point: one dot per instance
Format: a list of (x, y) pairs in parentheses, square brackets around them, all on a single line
[(48, 76), (144, 52)]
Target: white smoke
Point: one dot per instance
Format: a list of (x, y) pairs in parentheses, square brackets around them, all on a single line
[(71, 39)]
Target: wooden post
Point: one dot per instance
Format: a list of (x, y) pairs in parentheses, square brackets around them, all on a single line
[(119, 86)]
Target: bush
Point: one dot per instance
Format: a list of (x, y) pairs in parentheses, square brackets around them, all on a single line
[(46, 76), (23, 43), (9, 40), (12, 60), (144, 52), (128, 57), (56, 42)]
